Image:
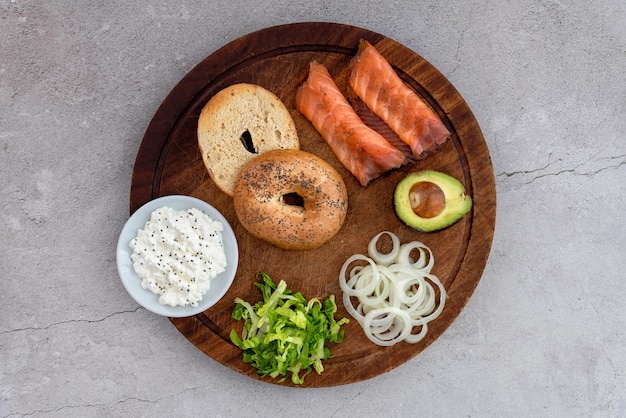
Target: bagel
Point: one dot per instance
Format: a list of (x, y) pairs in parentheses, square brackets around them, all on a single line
[(239, 123), (291, 198)]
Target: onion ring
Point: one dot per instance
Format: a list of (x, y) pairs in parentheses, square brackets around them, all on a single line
[(394, 294), (380, 258), (388, 325)]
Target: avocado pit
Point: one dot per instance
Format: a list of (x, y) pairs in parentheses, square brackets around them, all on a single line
[(427, 199)]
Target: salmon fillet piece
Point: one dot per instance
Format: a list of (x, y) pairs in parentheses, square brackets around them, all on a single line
[(376, 83), (363, 151), (373, 121)]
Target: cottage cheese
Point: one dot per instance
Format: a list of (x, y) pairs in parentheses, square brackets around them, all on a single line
[(177, 253)]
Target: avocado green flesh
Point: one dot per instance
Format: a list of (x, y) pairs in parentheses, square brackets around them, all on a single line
[(457, 202)]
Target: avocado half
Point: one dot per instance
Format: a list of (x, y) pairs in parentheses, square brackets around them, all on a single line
[(430, 200)]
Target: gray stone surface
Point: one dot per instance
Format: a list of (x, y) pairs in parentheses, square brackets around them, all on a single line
[(544, 333)]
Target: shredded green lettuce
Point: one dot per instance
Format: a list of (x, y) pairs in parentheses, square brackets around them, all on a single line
[(284, 333)]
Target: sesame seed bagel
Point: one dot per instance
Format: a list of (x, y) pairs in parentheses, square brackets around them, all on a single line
[(239, 123), (291, 198)]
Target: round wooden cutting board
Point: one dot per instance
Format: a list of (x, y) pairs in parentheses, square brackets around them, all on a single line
[(277, 58)]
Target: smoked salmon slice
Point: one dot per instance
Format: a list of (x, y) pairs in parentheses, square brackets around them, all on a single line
[(376, 83), (363, 151)]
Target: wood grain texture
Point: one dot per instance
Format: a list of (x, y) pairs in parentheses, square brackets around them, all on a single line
[(277, 58)]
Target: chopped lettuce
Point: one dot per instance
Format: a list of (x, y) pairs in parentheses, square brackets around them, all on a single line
[(284, 333)]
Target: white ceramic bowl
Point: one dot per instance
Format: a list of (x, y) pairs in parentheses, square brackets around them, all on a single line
[(132, 283)]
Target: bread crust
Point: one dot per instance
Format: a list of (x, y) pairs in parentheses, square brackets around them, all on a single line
[(224, 119), (259, 199)]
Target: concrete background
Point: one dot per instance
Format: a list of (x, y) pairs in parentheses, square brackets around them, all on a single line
[(544, 333)]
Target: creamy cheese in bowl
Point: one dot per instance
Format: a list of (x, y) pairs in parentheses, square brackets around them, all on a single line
[(177, 253), (177, 256)]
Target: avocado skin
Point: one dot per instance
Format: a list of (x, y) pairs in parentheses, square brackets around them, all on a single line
[(457, 202)]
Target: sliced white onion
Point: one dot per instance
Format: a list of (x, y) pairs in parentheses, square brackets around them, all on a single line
[(356, 313), (415, 338), (387, 326), (380, 258), (425, 261), (379, 295), (394, 294), (356, 274)]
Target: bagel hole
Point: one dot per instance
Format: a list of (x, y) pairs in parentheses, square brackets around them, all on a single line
[(293, 199), (246, 141)]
